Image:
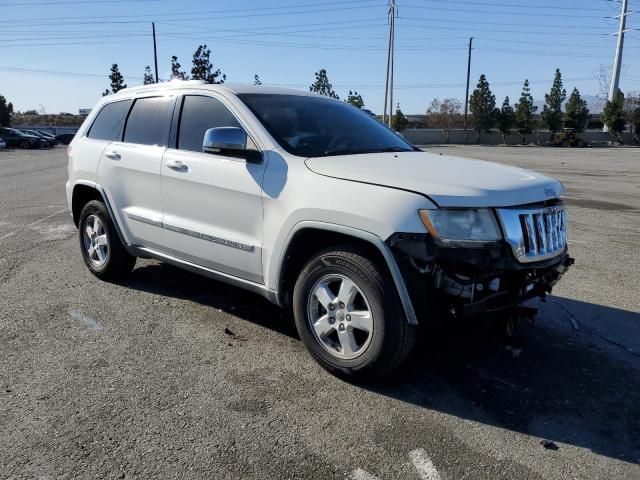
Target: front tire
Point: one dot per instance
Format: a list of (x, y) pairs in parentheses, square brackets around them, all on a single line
[(102, 251), (24, 144), (349, 316)]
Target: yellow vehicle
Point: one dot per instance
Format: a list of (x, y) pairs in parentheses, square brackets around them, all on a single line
[(567, 137)]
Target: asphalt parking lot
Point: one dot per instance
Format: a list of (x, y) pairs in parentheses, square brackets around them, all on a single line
[(171, 375)]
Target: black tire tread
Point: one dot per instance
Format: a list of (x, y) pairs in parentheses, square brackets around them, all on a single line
[(399, 343), (120, 263)]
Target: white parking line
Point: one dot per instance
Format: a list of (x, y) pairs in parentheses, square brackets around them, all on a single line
[(11, 234), (425, 467), (360, 474), (88, 321)]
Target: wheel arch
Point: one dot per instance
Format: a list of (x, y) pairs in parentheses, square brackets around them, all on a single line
[(307, 238), (83, 192)]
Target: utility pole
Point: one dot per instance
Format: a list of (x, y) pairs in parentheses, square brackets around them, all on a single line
[(617, 64), (388, 87), (155, 52), (466, 98)]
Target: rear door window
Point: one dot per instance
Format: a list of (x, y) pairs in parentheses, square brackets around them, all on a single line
[(200, 113), (109, 121), (148, 121)]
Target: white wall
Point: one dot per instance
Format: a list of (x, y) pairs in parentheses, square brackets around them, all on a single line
[(428, 136)]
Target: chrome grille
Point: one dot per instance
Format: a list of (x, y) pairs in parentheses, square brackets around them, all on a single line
[(534, 233)]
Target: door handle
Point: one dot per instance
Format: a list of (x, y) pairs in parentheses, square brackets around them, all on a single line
[(176, 164), (112, 155)]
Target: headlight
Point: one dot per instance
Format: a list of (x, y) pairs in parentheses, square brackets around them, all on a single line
[(461, 225)]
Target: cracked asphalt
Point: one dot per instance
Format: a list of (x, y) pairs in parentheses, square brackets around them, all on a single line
[(171, 375)]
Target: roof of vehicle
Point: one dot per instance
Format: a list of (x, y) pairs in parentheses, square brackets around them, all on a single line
[(199, 84)]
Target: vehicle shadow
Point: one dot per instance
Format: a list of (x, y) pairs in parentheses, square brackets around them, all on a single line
[(559, 384), (167, 280)]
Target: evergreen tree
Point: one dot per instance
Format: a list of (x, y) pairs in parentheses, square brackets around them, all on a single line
[(322, 85), (576, 112), (552, 111), (614, 116), (117, 80), (6, 110), (482, 104), (506, 119), (203, 68), (355, 99), (148, 76), (256, 80), (635, 123), (176, 73), (525, 110), (399, 122)]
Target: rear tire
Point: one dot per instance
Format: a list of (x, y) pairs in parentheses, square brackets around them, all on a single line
[(102, 251), (24, 144), (362, 332)]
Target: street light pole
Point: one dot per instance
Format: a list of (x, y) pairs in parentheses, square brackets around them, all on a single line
[(466, 98), (155, 51), (388, 86), (617, 64)]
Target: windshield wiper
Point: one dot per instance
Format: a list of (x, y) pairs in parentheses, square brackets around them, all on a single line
[(393, 149), (343, 151), (353, 151)]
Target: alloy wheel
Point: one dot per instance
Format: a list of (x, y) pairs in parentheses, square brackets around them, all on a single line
[(95, 241), (340, 316)]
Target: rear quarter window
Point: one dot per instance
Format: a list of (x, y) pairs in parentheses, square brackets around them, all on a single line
[(148, 121), (109, 122)]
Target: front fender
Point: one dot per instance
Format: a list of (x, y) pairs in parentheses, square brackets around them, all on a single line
[(369, 237)]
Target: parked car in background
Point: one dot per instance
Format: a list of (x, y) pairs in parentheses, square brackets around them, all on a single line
[(47, 141), (15, 138), (50, 136), (2, 144), (65, 138)]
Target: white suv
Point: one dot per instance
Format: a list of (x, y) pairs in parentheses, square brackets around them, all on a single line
[(313, 204)]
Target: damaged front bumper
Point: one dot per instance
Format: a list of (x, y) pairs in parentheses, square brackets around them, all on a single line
[(466, 282)]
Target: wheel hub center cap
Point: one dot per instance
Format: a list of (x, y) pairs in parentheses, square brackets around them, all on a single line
[(340, 315)]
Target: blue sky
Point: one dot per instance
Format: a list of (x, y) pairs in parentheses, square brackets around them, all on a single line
[(57, 53)]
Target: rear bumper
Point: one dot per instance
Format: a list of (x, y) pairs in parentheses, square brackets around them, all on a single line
[(468, 282)]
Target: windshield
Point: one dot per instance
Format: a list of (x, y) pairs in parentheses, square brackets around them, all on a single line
[(310, 126)]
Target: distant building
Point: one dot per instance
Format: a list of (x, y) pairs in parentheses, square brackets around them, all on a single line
[(84, 111)]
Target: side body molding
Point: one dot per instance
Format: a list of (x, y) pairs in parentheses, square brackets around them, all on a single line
[(369, 237), (272, 294)]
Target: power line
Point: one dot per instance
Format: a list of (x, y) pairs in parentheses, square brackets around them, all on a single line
[(493, 30), (508, 24), (78, 2), (512, 5), (281, 29), (354, 85), (219, 15), (496, 12)]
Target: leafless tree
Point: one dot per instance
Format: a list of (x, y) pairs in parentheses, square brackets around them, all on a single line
[(603, 75), (443, 114)]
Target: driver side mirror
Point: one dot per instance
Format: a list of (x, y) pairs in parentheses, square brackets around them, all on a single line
[(230, 141)]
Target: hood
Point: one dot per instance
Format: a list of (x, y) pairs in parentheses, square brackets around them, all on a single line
[(448, 181)]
